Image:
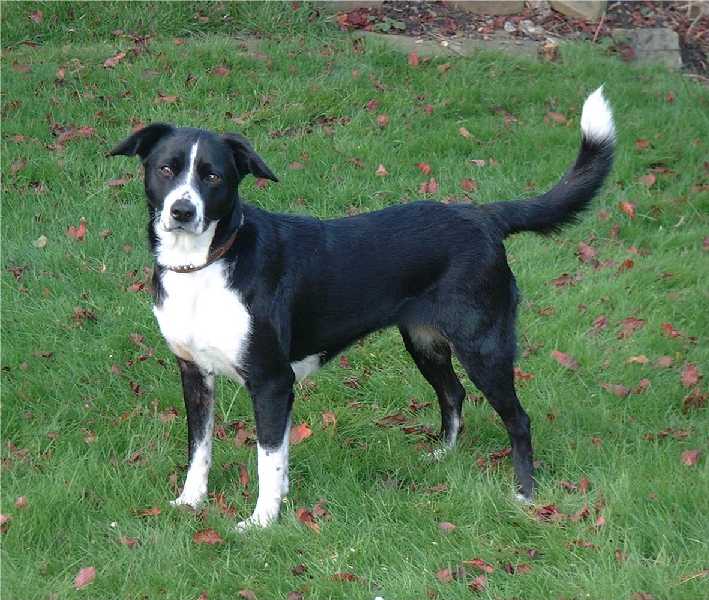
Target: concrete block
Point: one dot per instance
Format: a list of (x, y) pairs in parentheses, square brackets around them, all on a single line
[(591, 10), (659, 46), (489, 7)]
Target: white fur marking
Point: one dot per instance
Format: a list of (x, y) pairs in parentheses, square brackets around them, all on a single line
[(184, 190), (200, 315), (597, 118), (306, 366), (272, 484)]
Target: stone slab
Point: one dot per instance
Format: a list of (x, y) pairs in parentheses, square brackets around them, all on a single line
[(489, 7), (459, 47), (590, 10), (653, 46)]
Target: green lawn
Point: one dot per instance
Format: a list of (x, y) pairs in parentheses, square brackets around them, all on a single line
[(87, 434)]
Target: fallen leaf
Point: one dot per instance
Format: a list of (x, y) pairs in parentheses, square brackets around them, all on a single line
[(344, 577), (469, 185), (446, 527), (221, 71), (616, 389), (149, 512), (663, 362), (629, 326), (299, 569), (243, 475), (78, 233), (381, 171), (478, 584), (648, 180), (383, 121), (429, 187), (17, 166), (425, 168), (261, 183), (690, 375), (628, 208), (691, 457), (669, 330), (247, 594), (465, 133), (109, 63), (301, 432), (207, 536), (642, 144), (328, 419), (21, 502), (586, 253), (555, 117), (413, 59), (695, 400), (372, 105), (84, 577), (295, 596), (599, 324), (128, 541), (565, 360), (4, 521), (478, 162), (392, 420), (166, 99), (36, 16), (40, 242), (480, 564), (445, 575)]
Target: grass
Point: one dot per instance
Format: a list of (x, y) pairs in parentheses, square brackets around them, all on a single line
[(88, 452)]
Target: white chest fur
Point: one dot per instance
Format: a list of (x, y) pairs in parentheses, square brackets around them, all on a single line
[(203, 320)]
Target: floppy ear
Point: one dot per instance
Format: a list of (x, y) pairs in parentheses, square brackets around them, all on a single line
[(247, 161), (142, 142)]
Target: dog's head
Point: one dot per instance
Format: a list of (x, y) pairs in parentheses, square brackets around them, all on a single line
[(192, 175)]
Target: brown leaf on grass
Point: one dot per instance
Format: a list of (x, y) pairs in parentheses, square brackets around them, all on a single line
[(642, 144), (119, 182), (641, 359), (480, 564), (17, 166), (383, 121), (84, 577), (599, 522), (648, 180), (21, 67), (36, 16), (413, 59), (345, 577), (247, 594), (243, 475), (478, 584), (599, 324), (586, 253), (221, 71), (445, 575), (128, 541), (518, 569), (381, 171), (207, 536), (446, 527), (300, 432), (296, 166), (695, 400), (691, 457), (392, 420), (690, 375), (663, 362), (628, 208), (4, 522), (565, 279), (415, 405), (261, 183), (78, 233), (478, 162), (521, 375), (372, 105), (223, 506), (616, 389), (565, 360), (700, 574), (429, 187), (549, 513), (166, 98), (21, 502), (306, 517), (468, 185), (642, 596), (555, 117), (463, 132), (149, 512), (425, 168), (629, 326), (111, 62), (300, 569), (329, 419), (669, 330)]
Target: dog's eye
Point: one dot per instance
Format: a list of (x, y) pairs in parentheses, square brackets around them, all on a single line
[(166, 171), (212, 178)]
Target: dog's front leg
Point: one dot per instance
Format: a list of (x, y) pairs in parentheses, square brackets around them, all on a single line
[(272, 403), (198, 390)]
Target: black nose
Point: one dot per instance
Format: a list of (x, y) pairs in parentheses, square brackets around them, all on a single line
[(182, 211)]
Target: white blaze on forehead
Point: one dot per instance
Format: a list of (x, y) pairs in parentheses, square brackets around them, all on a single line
[(185, 189)]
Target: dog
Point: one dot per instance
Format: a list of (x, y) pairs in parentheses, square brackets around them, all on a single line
[(266, 299)]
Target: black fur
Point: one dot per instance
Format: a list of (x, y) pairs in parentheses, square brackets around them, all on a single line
[(438, 272)]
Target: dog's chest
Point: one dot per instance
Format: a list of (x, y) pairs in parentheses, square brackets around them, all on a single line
[(203, 320)]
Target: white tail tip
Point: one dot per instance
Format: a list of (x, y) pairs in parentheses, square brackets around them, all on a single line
[(597, 118)]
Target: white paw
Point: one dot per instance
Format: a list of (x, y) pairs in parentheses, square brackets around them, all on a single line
[(260, 518), (193, 501), (523, 499)]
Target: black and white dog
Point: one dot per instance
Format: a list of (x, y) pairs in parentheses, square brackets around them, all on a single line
[(267, 298)]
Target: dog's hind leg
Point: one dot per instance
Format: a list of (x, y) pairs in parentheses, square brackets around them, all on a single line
[(492, 373), (432, 355), (198, 390)]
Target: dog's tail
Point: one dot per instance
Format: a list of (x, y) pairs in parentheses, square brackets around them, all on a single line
[(562, 204)]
